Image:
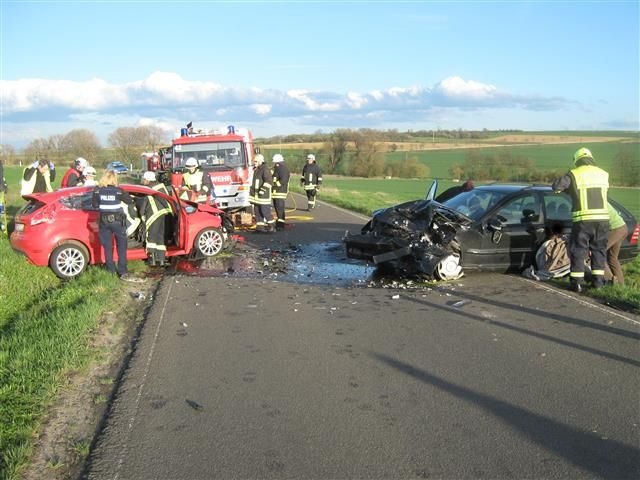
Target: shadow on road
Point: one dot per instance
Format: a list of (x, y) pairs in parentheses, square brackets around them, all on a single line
[(603, 457)]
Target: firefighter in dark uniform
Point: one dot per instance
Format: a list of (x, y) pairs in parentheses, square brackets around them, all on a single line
[(196, 183), (588, 186), (107, 197), (260, 196), (311, 180), (155, 211), (280, 189)]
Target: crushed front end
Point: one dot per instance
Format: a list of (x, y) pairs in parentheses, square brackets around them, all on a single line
[(414, 238)]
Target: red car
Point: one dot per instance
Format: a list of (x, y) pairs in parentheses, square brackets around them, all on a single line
[(60, 229)]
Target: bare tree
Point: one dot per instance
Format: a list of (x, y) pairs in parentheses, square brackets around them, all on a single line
[(336, 147), (82, 143), (37, 149), (152, 137), (7, 154), (127, 142), (59, 148)]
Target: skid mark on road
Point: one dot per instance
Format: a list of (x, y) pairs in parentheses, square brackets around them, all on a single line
[(125, 445)]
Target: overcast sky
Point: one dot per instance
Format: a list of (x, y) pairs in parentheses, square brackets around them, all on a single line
[(298, 67)]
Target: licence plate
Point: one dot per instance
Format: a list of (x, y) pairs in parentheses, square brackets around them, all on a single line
[(19, 227)]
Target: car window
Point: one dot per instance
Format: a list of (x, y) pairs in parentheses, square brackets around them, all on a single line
[(474, 203), (557, 206), (523, 209), (78, 202)]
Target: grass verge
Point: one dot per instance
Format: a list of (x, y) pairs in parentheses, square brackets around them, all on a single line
[(45, 331)]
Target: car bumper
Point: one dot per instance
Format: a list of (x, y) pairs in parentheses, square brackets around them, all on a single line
[(35, 254)]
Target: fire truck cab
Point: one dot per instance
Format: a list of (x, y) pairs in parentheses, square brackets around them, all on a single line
[(225, 155)]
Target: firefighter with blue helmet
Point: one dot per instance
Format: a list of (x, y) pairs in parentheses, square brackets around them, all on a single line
[(587, 185)]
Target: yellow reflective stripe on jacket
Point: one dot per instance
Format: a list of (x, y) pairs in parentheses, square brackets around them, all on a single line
[(157, 212), (591, 184)]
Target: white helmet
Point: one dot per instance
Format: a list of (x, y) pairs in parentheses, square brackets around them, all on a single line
[(311, 156), (149, 176), (258, 159), (277, 158), (89, 170), (81, 162), (191, 162)]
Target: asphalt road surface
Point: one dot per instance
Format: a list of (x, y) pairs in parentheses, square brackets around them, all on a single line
[(261, 373)]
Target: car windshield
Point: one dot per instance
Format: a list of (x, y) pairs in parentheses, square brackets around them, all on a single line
[(474, 203), (214, 155)]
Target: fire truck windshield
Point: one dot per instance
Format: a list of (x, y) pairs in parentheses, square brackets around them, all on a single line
[(220, 155)]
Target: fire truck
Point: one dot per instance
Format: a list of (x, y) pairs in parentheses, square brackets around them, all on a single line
[(225, 155)]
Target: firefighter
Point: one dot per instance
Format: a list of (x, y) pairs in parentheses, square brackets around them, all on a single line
[(260, 196), (311, 180), (280, 190), (155, 212), (37, 178), (107, 198), (74, 176), (196, 184), (588, 186)]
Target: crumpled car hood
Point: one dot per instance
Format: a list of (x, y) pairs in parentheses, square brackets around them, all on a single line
[(412, 237)]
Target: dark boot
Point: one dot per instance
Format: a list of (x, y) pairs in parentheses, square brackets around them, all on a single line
[(576, 287)]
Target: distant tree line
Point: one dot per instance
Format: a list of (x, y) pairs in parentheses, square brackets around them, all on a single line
[(126, 144), (361, 153)]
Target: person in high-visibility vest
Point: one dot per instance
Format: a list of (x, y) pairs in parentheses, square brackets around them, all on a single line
[(38, 177), (588, 186), (311, 180), (75, 175), (260, 196), (196, 183), (155, 212), (280, 189), (618, 231)]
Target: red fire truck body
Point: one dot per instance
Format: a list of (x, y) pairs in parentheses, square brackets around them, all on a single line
[(226, 156)]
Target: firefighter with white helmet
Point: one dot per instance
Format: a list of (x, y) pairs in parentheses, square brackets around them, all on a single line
[(260, 195), (281, 175), (74, 176), (588, 186), (196, 184), (311, 180)]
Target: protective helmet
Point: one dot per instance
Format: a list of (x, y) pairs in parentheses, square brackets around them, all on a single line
[(277, 158), (258, 159), (582, 154), (81, 162), (149, 176), (191, 162), (89, 170), (311, 156)]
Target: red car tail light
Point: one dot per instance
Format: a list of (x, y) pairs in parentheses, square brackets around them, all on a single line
[(634, 236)]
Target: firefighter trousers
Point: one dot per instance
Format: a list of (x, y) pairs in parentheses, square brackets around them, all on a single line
[(588, 237), (155, 240), (278, 205)]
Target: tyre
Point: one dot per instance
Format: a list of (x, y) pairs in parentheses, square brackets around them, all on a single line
[(209, 242), (69, 260)]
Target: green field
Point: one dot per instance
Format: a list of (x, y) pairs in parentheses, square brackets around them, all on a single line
[(385, 192)]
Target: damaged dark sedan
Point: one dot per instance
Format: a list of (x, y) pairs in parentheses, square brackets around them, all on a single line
[(496, 227)]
